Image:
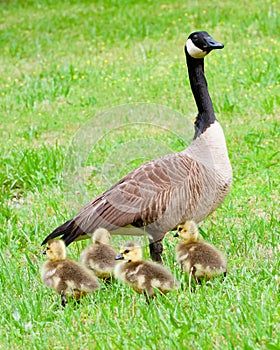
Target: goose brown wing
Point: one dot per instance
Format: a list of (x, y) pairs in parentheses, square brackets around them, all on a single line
[(140, 198)]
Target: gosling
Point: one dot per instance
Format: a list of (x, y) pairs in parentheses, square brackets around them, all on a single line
[(143, 276), (100, 256), (66, 276), (198, 258)]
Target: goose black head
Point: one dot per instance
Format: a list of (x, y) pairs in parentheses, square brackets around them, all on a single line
[(199, 44)]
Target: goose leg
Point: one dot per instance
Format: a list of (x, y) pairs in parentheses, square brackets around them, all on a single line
[(224, 275), (156, 249)]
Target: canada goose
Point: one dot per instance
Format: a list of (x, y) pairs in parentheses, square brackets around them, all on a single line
[(66, 276), (198, 258), (100, 256), (143, 276), (164, 192)]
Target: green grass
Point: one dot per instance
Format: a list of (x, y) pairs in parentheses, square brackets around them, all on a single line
[(66, 67)]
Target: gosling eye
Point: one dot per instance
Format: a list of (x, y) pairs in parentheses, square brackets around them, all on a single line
[(126, 251), (180, 229)]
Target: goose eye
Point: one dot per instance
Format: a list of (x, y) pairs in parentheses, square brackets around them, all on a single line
[(126, 251), (180, 229)]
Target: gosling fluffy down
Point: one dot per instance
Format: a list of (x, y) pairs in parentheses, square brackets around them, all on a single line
[(100, 256), (143, 276), (198, 258), (65, 276)]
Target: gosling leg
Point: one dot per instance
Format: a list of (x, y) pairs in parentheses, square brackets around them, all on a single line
[(63, 299), (192, 289), (147, 297)]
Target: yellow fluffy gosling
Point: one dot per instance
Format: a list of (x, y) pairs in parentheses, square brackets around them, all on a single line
[(66, 276), (143, 276), (100, 256), (198, 258)]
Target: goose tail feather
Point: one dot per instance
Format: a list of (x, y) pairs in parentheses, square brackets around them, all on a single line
[(69, 232)]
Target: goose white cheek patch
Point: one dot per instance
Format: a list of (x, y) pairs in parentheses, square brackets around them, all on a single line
[(194, 51)]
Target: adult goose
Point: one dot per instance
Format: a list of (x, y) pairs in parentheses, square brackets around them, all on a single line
[(167, 191)]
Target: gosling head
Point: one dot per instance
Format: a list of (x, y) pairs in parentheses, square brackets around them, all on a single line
[(199, 44), (55, 249), (130, 252), (101, 235), (188, 231)]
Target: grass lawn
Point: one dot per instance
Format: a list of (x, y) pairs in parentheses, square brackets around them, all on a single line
[(72, 76)]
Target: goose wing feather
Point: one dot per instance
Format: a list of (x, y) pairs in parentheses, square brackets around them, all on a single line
[(141, 196)]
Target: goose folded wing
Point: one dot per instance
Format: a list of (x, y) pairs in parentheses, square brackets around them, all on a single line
[(139, 198)]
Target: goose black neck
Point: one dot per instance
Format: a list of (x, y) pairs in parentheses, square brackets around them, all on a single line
[(206, 115)]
